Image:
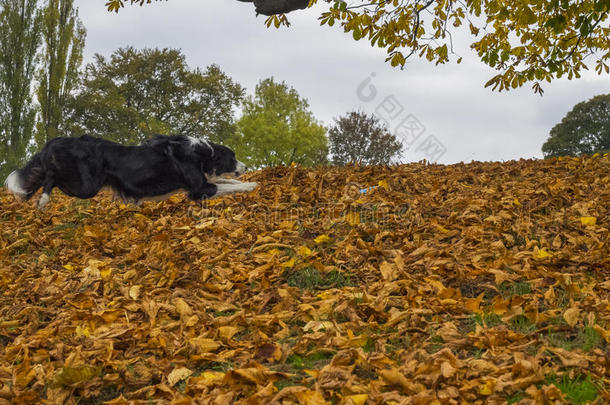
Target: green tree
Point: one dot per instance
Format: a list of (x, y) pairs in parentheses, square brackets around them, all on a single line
[(277, 128), (64, 40), (525, 41), (361, 138), (583, 131), (19, 42), (138, 93)]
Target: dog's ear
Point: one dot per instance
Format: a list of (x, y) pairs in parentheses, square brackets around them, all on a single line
[(206, 159)]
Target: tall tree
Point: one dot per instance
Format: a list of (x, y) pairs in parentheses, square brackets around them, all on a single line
[(524, 41), (137, 93), (277, 128), (19, 41), (361, 138), (583, 131), (64, 40)]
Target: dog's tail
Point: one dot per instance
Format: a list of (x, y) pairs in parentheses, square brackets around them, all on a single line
[(23, 183)]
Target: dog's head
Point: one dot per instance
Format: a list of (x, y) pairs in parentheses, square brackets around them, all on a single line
[(224, 162), (217, 160)]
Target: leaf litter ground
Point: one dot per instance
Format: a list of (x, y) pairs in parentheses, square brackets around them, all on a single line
[(470, 283)]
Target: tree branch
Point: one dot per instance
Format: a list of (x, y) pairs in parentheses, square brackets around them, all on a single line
[(272, 7)]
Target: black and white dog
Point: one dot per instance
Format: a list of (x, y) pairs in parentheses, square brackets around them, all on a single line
[(163, 165)]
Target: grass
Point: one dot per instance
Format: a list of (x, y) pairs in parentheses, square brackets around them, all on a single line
[(310, 278), (508, 289), (522, 325), (578, 390), (514, 398), (436, 344), (228, 312), (487, 319), (585, 338), (313, 360), (287, 382)]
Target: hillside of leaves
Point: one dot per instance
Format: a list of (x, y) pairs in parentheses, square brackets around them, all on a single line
[(471, 283)]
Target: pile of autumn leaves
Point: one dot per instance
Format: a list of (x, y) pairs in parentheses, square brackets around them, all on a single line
[(470, 283)]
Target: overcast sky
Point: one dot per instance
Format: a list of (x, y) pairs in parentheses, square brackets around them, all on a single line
[(442, 113)]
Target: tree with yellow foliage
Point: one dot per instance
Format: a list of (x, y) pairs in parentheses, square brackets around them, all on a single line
[(525, 41)]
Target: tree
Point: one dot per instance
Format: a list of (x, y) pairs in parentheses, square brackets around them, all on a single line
[(19, 41), (525, 41), (583, 131), (277, 128), (363, 139), (138, 93), (64, 40)]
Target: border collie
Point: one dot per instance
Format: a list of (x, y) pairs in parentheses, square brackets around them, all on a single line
[(162, 166)]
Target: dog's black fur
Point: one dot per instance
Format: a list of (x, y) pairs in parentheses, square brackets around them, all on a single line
[(81, 167)]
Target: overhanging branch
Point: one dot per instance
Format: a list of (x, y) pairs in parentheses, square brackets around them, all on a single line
[(272, 7)]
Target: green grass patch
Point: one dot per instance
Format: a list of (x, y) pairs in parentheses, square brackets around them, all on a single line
[(486, 319), (310, 278), (522, 325), (228, 312), (578, 390), (287, 382), (508, 289), (369, 346), (313, 360), (585, 338), (514, 398), (435, 344)]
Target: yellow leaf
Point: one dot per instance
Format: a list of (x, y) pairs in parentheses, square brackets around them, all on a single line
[(227, 332), (588, 221), (310, 397), (288, 264), (209, 376), (517, 202), (204, 345), (317, 326), (541, 253), (395, 377), (303, 251), (359, 399), (192, 321), (352, 218), (384, 184), (177, 375), (134, 292), (472, 304), (312, 373), (105, 273), (323, 239), (69, 267), (571, 316), (441, 229), (72, 375), (182, 307), (83, 331), (487, 388), (388, 271)]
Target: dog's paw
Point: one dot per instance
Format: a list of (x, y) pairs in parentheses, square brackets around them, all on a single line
[(44, 200), (250, 186)]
